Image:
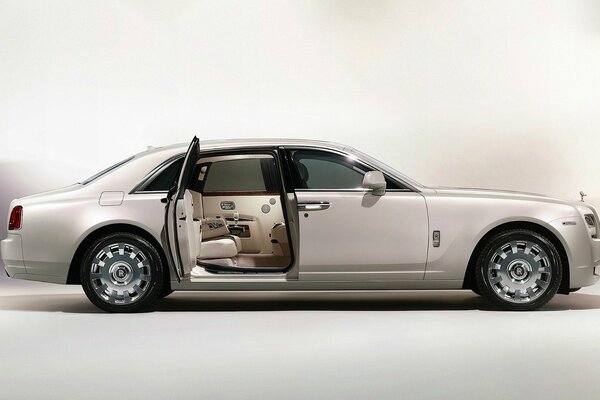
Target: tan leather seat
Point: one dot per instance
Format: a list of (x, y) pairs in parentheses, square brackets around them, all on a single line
[(216, 228), (218, 248), (213, 246)]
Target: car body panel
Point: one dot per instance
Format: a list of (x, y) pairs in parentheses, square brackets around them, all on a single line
[(336, 243), (55, 223), (464, 219)]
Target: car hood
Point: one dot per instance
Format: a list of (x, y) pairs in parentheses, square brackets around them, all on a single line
[(494, 193)]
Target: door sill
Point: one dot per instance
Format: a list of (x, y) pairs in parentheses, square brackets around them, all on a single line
[(214, 269)]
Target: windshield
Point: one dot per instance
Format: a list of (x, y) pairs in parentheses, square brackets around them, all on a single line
[(106, 171)]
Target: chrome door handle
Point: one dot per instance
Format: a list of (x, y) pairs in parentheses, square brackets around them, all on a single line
[(314, 206)]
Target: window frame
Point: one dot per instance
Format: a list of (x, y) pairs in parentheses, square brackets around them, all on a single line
[(268, 191), (150, 176), (259, 150), (293, 171)]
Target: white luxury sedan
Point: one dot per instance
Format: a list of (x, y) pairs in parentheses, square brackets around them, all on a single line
[(293, 215)]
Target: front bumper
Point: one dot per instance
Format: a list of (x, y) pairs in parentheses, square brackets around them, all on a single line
[(582, 250), (585, 271)]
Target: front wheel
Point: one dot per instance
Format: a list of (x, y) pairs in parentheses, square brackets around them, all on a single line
[(122, 272), (519, 270)]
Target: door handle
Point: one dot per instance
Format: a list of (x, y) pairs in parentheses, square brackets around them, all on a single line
[(314, 206)]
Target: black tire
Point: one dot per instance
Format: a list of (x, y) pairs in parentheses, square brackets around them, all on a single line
[(491, 270), (476, 290), (138, 277), (165, 293)]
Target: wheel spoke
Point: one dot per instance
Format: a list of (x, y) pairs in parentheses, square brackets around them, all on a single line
[(101, 289), (541, 283), (518, 296), (137, 289), (495, 266)]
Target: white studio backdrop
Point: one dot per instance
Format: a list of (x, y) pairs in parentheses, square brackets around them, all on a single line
[(500, 94)]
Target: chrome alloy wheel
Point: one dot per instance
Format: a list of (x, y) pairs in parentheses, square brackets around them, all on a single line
[(519, 271), (120, 273)]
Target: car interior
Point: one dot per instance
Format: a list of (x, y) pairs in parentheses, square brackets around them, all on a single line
[(238, 219)]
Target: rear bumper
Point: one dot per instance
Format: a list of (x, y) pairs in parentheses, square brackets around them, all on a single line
[(11, 251)]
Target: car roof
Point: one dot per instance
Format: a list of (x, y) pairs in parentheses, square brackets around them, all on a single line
[(240, 143)]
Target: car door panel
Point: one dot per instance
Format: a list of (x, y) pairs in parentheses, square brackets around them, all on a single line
[(359, 236), (175, 238)]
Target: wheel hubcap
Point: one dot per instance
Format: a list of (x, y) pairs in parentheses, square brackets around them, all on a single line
[(519, 271), (120, 273)]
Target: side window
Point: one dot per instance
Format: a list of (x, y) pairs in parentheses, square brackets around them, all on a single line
[(240, 175), (164, 180), (323, 170)]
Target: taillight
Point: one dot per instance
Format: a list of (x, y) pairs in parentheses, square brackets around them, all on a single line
[(16, 216)]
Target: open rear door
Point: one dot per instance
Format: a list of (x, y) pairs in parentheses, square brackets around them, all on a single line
[(176, 240)]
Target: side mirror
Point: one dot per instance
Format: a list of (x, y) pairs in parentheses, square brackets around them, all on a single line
[(374, 181)]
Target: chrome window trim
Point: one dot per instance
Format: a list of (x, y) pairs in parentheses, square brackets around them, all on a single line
[(139, 188), (106, 171), (387, 174)]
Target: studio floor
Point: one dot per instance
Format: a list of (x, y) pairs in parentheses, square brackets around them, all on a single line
[(54, 344)]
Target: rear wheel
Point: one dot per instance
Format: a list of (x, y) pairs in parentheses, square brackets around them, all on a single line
[(519, 270), (122, 272)]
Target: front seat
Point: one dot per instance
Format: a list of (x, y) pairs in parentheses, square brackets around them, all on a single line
[(303, 174)]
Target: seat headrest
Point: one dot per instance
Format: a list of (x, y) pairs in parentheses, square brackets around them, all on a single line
[(302, 171)]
